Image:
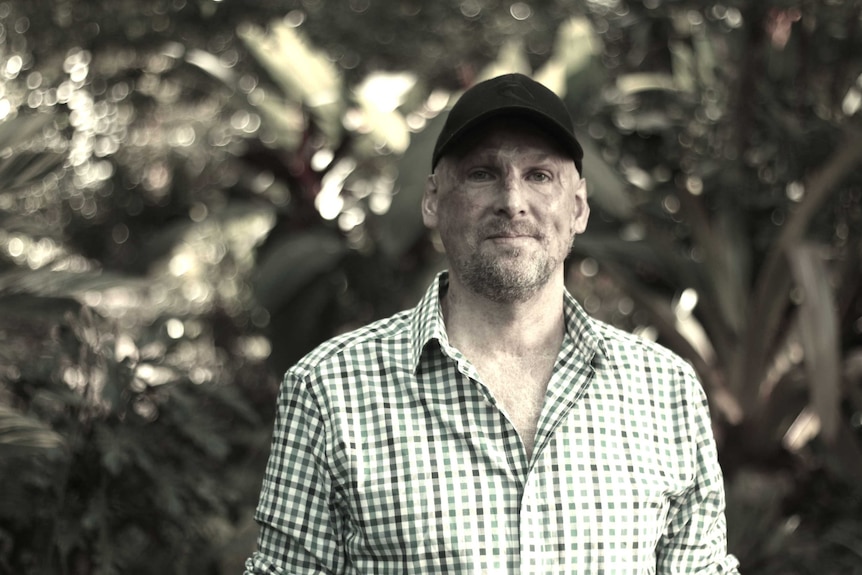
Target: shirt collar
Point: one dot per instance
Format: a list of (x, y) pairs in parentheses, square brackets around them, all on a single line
[(427, 319), (582, 329), (427, 323)]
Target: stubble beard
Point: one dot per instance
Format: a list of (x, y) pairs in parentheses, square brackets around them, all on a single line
[(511, 278)]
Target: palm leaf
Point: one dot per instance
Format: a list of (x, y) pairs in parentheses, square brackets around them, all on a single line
[(818, 332), (22, 168), (303, 73), (770, 298), (23, 435)]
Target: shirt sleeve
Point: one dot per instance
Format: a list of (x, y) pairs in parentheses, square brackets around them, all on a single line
[(300, 530), (695, 539)]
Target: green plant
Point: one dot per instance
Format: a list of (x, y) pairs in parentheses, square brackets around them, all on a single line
[(738, 244)]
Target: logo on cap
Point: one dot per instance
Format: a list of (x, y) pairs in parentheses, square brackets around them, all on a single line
[(515, 90)]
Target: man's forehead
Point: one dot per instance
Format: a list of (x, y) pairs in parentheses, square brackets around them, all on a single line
[(510, 134)]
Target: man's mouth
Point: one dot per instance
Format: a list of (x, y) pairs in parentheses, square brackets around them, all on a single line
[(511, 235)]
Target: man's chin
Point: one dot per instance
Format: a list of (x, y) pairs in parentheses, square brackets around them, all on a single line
[(505, 281)]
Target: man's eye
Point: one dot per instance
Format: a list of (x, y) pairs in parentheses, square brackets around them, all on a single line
[(479, 175), (540, 177)]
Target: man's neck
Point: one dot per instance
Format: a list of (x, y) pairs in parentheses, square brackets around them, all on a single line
[(531, 327)]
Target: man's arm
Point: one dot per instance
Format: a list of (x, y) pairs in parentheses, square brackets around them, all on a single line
[(300, 531), (695, 540)]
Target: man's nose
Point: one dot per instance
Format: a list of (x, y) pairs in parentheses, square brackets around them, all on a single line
[(511, 199)]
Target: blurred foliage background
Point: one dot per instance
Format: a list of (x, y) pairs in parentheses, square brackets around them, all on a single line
[(194, 193)]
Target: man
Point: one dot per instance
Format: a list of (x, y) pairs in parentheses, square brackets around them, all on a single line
[(494, 428)]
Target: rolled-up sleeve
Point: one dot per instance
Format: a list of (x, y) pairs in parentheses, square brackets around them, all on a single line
[(297, 512)]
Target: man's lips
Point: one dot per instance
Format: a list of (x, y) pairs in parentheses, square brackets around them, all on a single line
[(497, 234), (509, 236), (511, 241)]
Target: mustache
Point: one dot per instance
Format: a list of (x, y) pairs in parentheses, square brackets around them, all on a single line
[(504, 228)]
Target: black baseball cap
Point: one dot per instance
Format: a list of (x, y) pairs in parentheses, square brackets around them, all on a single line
[(515, 95)]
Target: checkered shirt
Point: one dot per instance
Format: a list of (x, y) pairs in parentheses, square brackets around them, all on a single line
[(390, 456)]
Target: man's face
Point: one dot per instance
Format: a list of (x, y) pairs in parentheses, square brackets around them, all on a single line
[(507, 208)]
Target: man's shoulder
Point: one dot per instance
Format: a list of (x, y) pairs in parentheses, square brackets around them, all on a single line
[(352, 345), (627, 347)]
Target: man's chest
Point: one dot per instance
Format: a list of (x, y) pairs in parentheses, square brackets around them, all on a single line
[(518, 388), (439, 476)]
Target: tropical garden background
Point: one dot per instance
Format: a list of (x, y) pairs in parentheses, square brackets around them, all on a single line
[(194, 193)]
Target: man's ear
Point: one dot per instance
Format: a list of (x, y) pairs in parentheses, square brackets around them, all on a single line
[(429, 202), (581, 213)]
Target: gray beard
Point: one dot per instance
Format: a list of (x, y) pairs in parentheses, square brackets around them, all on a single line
[(497, 282)]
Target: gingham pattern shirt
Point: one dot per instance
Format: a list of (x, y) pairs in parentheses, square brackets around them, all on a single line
[(390, 456)]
